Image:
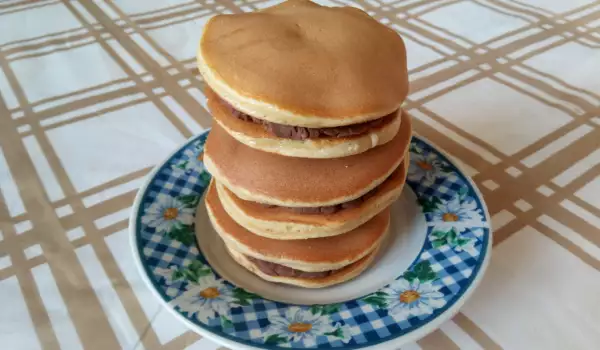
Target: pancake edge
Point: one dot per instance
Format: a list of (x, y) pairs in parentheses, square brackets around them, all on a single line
[(317, 148), (283, 230), (295, 264), (344, 275)]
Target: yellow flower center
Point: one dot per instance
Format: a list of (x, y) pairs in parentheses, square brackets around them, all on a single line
[(409, 296), (300, 327), (450, 217), (210, 293), (170, 213), (424, 165)]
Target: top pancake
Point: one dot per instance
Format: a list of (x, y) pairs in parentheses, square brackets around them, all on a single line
[(299, 63)]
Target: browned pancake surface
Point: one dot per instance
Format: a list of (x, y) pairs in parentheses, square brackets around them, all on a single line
[(282, 214), (309, 59)]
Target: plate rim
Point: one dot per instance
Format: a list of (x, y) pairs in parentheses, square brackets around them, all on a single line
[(229, 341)]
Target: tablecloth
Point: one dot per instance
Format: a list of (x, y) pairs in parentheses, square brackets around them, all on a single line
[(95, 93)]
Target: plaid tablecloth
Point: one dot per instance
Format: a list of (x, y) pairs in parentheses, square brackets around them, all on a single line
[(95, 93)]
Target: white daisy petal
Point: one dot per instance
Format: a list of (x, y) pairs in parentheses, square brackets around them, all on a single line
[(415, 285), (346, 333), (154, 209), (220, 306), (454, 205), (278, 321), (186, 219), (308, 317), (204, 315), (469, 204), (163, 226), (400, 313), (401, 284), (290, 312), (437, 302), (422, 309)]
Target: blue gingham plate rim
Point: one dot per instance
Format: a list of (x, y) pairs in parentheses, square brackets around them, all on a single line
[(394, 341)]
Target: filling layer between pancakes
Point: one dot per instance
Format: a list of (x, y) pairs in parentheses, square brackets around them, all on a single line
[(331, 209), (304, 133), (273, 269)]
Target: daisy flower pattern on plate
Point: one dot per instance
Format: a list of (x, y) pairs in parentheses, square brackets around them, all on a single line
[(299, 325), (207, 299), (405, 299), (426, 168), (192, 160), (455, 239), (413, 294), (459, 212), (166, 213)]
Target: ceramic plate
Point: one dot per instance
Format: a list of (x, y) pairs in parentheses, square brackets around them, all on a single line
[(436, 253)]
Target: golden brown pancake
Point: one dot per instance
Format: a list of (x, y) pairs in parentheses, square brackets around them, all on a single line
[(344, 274), (319, 254), (299, 182), (256, 136), (302, 64), (285, 223)]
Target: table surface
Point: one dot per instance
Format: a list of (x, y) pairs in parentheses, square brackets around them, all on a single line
[(94, 94)]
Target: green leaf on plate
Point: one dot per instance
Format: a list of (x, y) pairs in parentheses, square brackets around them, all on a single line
[(436, 243), (183, 234), (177, 274), (275, 339), (462, 241), (243, 297), (451, 237), (462, 193), (424, 271), (338, 333), (414, 148), (446, 168), (409, 276), (439, 234), (324, 309), (190, 200), (193, 272), (225, 322), (376, 300), (429, 205), (182, 165), (315, 309), (205, 178)]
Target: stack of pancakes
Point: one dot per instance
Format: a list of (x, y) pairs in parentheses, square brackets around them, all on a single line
[(309, 145)]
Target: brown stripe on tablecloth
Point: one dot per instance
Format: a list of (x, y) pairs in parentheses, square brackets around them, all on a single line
[(475, 332), (437, 340), (178, 93), (94, 331)]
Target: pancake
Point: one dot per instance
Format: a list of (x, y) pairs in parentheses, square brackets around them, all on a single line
[(336, 277), (319, 254), (286, 223), (299, 182), (302, 64), (266, 137)]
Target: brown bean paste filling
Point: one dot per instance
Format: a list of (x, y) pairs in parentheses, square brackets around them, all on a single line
[(273, 269), (304, 133), (329, 209)]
